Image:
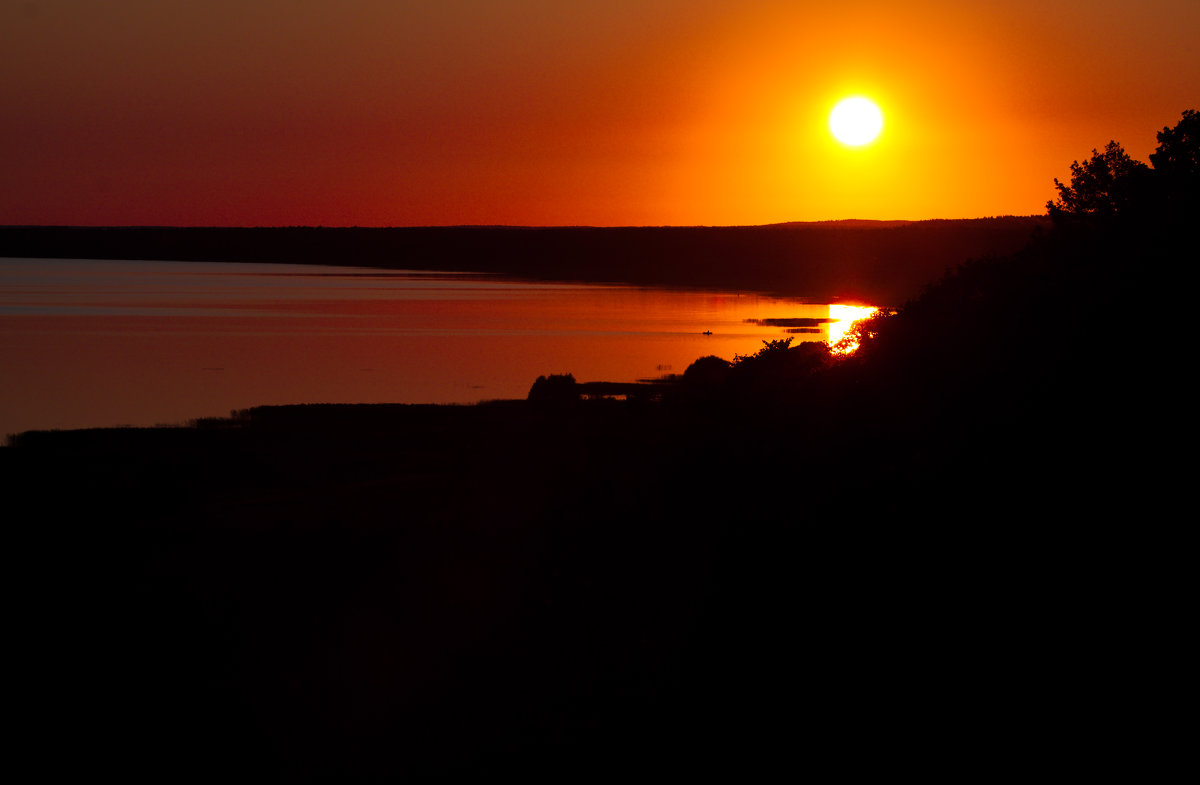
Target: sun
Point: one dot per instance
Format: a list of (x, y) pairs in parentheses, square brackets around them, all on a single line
[(856, 121)]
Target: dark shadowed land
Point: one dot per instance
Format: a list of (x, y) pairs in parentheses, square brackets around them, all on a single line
[(954, 551), (881, 262)]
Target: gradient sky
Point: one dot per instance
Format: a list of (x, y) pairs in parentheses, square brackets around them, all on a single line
[(545, 112)]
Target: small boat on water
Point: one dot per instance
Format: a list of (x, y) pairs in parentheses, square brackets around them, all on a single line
[(707, 332)]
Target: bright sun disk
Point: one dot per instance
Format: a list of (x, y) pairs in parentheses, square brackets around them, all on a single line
[(856, 121)]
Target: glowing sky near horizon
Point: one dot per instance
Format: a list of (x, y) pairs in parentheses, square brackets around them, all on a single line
[(539, 112)]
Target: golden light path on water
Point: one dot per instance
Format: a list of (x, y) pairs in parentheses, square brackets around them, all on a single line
[(846, 316)]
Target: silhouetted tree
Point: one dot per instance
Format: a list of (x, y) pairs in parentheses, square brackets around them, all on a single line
[(1177, 167), (1105, 185), (1178, 152)]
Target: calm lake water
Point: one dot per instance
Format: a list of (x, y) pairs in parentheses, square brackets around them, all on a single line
[(98, 343)]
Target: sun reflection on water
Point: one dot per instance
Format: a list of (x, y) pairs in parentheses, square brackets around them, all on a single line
[(846, 315)]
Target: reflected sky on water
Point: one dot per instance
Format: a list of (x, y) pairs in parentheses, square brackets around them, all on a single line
[(94, 343)]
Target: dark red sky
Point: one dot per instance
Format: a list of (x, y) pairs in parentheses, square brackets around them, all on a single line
[(385, 112)]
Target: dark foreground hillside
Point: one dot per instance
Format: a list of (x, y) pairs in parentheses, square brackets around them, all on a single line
[(571, 592), (942, 555)]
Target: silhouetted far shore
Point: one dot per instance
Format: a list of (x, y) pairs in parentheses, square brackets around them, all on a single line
[(876, 262)]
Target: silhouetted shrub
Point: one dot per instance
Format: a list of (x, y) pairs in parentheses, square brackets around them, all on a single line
[(778, 371), (707, 372), (771, 352), (555, 388)]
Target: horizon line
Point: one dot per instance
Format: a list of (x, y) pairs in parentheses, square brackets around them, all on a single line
[(889, 221)]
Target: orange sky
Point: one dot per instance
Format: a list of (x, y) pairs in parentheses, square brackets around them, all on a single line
[(544, 112)]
